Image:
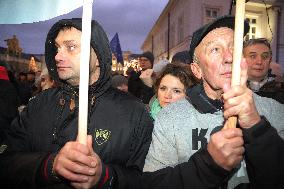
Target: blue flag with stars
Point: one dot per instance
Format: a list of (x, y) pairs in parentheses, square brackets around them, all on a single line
[(116, 49)]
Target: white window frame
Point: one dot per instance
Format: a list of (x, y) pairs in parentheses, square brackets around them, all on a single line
[(253, 26), (208, 18)]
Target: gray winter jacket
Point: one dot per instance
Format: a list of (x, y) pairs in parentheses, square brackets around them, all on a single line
[(180, 130)]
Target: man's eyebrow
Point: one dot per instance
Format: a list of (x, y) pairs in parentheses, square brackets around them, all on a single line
[(68, 41), (252, 52), (208, 43), (65, 42), (266, 52)]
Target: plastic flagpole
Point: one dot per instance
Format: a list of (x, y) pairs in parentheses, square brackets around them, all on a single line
[(84, 71)]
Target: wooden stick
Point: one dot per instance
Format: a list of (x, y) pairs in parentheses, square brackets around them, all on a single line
[(237, 56), (84, 70)]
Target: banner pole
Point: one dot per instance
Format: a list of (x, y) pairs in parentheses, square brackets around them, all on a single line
[(237, 55), (84, 71)]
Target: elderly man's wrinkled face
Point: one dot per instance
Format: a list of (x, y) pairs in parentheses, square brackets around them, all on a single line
[(258, 58), (68, 43), (214, 55)]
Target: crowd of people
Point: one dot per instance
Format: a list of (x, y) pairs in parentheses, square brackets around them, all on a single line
[(164, 126), (16, 91)]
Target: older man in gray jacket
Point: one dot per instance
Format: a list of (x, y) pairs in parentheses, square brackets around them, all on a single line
[(189, 125)]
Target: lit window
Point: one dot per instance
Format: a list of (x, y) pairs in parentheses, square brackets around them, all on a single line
[(254, 27)]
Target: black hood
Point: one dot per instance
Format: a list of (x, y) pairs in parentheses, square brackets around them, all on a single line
[(100, 44)]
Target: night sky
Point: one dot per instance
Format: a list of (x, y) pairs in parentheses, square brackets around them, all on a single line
[(131, 19)]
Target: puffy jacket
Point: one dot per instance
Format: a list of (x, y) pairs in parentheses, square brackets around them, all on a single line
[(120, 126)]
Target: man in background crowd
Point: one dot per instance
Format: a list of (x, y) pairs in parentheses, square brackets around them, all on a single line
[(136, 86), (120, 82), (258, 55), (251, 153)]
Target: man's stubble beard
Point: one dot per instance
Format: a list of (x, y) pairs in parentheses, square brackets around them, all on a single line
[(73, 79)]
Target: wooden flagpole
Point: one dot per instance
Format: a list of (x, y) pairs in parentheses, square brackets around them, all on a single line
[(84, 71), (237, 56)]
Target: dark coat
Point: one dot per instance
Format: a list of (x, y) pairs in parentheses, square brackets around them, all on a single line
[(262, 144), (9, 103), (273, 89), (119, 124), (139, 89)]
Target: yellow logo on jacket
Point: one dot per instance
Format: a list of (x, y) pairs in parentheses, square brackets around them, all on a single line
[(101, 136), (3, 148)]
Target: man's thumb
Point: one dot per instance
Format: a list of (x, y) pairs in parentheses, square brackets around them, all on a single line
[(90, 143)]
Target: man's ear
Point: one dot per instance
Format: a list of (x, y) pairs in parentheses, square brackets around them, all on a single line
[(93, 57), (196, 70), (97, 62)]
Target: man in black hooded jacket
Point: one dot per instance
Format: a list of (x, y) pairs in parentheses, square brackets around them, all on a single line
[(41, 149)]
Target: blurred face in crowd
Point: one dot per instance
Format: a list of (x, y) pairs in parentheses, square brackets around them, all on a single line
[(258, 57), (213, 62), (31, 77), (123, 87), (46, 82), (22, 77), (68, 43), (145, 63), (170, 90)]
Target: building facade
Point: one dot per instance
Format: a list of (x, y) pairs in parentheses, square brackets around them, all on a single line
[(173, 30), (24, 63)]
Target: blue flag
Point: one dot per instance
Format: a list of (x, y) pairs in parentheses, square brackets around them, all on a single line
[(116, 49)]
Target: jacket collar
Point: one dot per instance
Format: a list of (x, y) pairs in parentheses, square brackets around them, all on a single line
[(198, 98)]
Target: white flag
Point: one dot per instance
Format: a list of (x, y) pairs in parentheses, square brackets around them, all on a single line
[(28, 11)]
